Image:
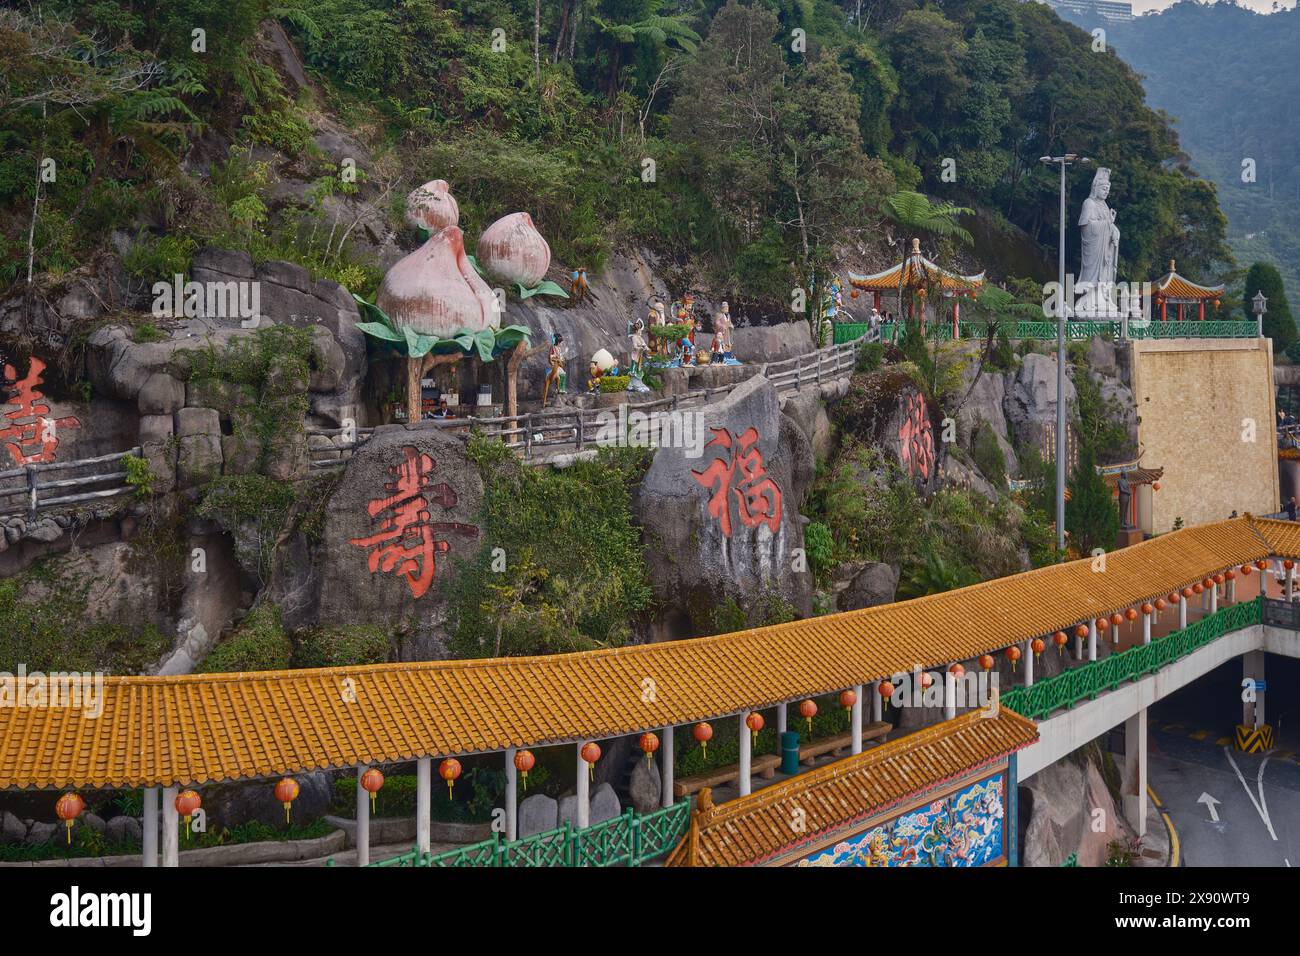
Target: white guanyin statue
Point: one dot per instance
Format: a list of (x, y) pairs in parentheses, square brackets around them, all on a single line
[(1100, 238)]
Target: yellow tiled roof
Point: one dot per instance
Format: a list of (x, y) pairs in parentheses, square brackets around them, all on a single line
[(1173, 286), (208, 727), (750, 829)]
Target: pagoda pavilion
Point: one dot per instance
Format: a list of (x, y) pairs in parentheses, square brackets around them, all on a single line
[(1173, 289), (916, 274)]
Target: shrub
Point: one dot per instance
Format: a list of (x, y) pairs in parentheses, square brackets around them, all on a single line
[(820, 548), (988, 456), (341, 645), (258, 644)]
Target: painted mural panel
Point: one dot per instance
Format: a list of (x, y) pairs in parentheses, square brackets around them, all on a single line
[(964, 828)]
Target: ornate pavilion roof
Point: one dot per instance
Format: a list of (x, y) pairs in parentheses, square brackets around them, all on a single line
[(917, 271), (1136, 476), (1174, 288), (755, 828)]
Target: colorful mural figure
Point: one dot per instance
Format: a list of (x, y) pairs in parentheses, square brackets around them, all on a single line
[(407, 542), (916, 438), (965, 828), (31, 435), (743, 474)]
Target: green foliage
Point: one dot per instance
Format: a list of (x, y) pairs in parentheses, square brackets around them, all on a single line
[(160, 258), (1101, 423), (819, 545), (139, 475), (988, 455), (724, 749), (340, 645), (259, 643), (258, 506), (614, 383), (48, 625), (1091, 518), (1279, 324), (583, 595), (870, 357)]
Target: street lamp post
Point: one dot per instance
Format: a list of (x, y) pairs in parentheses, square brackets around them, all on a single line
[(1259, 305), (1061, 313)]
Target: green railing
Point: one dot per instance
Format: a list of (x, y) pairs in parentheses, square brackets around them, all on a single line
[(1075, 330), (1085, 683), (1071, 860), (627, 840)]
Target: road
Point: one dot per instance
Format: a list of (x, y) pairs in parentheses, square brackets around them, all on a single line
[(1258, 795)]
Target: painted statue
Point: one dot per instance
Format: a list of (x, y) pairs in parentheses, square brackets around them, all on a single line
[(578, 285), (640, 346), (1125, 497), (555, 376), (602, 364), (722, 328), (1099, 234)]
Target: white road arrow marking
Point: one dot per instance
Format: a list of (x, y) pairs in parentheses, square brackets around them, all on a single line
[(1212, 803), (1260, 806)]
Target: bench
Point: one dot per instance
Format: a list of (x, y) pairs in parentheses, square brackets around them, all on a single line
[(833, 745), (766, 765)]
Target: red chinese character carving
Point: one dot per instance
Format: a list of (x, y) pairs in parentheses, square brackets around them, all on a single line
[(916, 438), (406, 542), (33, 436), (757, 497)]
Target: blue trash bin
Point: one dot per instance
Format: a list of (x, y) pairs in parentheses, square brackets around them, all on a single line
[(790, 752)]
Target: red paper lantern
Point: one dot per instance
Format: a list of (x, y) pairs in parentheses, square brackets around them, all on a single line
[(67, 808), (1261, 564), (986, 661), (1173, 597), (1081, 630), (1246, 569), (1160, 604), (1188, 592), (1132, 615), (449, 770), (755, 723), (1207, 584), (1013, 655), (1230, 575), (1059, 640), (648, 743), (957, 671), (1102, 624), (286, 791), (854, 294), (1219, 579), (1117, 619), (1198, 588), (703, 733), (1037, 645), (1288, 564), (1155, 486), (591, 753), (524, 762), (927, 679), (887, 689), (186, 802), (808, 710), (847, 699)]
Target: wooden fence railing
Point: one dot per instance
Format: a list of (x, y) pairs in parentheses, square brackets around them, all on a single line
[(37, 487)]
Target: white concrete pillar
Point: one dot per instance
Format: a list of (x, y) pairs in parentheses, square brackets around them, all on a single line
[(1182, 612), (1027, 655), (1078, 645), (1146, 628), (149, 837), (584, 791), (171, 834), (877, 703), (666, 766), (949, 695), (363, 819), (1135, 771), (782, 718), (1092, 639), (1290, 583), (512, 795), (743, 779), (1232, 591), (1252, 666), (1214, 597), (855, 721), (423, 803)]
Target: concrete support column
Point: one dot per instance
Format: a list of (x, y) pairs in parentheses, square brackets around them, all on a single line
[(171, 833), (1231, 591), (782, 719), (666, 766), (877, 702), (743, 780), (855, 721), (949, 695), (1027, 655), (424, 803), (363, 819), (584, 791), (1252, 666), (1078, 646), (1135, 771), (1182, 612), (1092, 639), (1290, 583), (512, 795), (1214, 597), (149, 838), (1146, 628)]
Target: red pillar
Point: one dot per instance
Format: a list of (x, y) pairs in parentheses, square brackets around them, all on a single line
[(1163, 306), (1201, 307), (1180, 312), (956, 318), (876, 300)]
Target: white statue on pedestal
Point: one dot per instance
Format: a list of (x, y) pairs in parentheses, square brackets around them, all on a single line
[(1100, 241)]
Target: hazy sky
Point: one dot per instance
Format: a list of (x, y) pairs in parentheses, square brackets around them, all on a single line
[(1262, 6)]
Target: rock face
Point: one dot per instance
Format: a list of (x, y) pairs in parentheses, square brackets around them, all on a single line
[(1065, 796), (537, 814), (984, 407), (875, 583), (646, 786), (384, 564), (806, 410), (1030, 402), (724, 524)]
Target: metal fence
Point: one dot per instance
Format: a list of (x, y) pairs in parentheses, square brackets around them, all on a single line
[(38, 487), (630, 839), (1084, 683), (1075, 329)]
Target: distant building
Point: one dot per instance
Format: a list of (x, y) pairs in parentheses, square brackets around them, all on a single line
[(1102, 9)]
